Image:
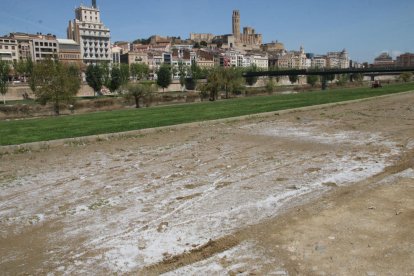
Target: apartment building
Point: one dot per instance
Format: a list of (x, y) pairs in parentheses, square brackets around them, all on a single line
[(24, 45), (292, 60), (318, 62), (337, 59), (44, 47), (69, 51), (93, 36), (204, 59), (9, 49), (405, 60)]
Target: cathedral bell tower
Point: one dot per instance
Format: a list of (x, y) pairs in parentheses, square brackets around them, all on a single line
[(236, 25)]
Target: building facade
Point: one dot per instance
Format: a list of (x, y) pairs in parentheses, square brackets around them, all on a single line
[(405, 60), (92, 35), (383, 60), (44, 48), (9, 49), (69, 51), (292, 60), (201, 37), (338, 59), (248, 37)]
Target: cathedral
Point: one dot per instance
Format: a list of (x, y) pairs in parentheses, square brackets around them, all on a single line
[(248, 37)]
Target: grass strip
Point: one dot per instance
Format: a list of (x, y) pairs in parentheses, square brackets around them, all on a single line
[(16, 132)]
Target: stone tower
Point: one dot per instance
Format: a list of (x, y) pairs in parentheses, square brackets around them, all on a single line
[(94, 4), (236, 25)]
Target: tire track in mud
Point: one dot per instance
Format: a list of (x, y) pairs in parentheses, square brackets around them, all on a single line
[(214, 247), (195, 255)]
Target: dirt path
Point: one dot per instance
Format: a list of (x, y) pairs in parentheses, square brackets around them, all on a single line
[(322, 192)]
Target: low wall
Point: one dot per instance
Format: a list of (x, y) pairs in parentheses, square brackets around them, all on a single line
[(16, 92)]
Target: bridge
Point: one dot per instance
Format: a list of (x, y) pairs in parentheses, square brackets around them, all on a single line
[(372, 72), (334, 71)]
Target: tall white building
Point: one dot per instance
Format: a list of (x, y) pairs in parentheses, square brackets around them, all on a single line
[(92, 35)]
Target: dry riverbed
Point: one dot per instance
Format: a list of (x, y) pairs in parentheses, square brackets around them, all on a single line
[(328, 191)]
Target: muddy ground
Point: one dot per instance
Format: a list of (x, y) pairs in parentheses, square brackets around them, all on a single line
[(328, 191)]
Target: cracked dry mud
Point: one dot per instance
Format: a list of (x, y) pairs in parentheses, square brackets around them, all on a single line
[(328, 191)]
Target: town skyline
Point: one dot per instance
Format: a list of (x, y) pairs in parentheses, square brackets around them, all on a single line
[(364, 35)]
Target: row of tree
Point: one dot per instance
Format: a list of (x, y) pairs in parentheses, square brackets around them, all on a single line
[(56, 82)]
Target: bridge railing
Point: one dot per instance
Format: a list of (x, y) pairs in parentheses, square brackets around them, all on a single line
[(328, 71)]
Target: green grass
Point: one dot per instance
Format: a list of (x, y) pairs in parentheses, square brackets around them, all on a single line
[(33, 130)]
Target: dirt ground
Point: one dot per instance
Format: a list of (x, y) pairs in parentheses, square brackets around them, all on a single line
[(328, 191)]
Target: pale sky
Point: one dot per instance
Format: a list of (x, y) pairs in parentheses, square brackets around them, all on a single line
[(364, 27)]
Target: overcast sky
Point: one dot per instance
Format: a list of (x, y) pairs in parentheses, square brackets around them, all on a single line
[(364, 27)]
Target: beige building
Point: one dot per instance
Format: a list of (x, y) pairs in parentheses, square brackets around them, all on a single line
[(69, 51), (204, 59), (383, 60), (44, 47), (9, 49), (273, 47), (125, 46), (248, 37), (201, 37), (94, 38), (135, 57), (293, 60), (24, 45), (319, 62), (36, 46), (337, 59)]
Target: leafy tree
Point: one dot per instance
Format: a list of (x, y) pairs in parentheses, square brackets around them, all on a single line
[(312, 80), (203, 43), (55, 82), (23, 68), (214, 83), (138, 91), (124, 68), (196, 72), (106, 73), (343, 79), (196, 45), (94, 77), (406, 76), (116, 79), (182, 73), (164, 76), (270, 86), (4, 78), (232, 81), (358, 77), (293, 78), (252, 80), (139, 71)]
